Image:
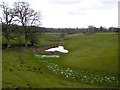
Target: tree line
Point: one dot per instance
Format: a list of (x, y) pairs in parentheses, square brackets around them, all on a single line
[(89, 30), (20, 19)]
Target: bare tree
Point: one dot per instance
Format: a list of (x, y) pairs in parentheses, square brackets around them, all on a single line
[(26, 16), (8, 16), (33, 30)]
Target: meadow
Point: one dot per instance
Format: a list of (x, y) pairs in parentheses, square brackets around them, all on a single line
[(92, 62)]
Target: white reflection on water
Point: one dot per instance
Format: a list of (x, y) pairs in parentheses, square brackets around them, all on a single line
[(59, 49), (47, 56)]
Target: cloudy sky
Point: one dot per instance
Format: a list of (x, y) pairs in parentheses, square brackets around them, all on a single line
[(75, 13)]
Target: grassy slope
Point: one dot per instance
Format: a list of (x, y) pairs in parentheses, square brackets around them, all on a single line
[(21, 69), (45, 37), (0, 69), (93, 52)]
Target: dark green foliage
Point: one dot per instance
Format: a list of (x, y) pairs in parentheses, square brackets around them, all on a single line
[(7, 33), (33, 34), (33, 38)]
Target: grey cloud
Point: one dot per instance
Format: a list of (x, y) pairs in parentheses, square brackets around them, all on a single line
[(102, 6), (65, 2), (109, 1), (76, 13)]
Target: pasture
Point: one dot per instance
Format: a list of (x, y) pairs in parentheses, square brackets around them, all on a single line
[(90, 57)]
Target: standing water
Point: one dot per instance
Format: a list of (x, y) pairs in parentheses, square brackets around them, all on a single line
[(59, 49)]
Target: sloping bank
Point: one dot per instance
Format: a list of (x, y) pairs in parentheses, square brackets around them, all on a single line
[(96, 78)]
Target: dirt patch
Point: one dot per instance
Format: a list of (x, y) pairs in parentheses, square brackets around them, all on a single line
[(43, 47), (59, 39), (65, 84)]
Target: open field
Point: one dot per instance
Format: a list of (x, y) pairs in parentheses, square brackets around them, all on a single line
[(92, 54), (22, 69)]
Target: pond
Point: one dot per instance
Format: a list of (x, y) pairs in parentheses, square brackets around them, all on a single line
[(97, 78), (47, 56), (59, 49)]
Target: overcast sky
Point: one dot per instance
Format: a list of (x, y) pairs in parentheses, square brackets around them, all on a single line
[(75, 13)]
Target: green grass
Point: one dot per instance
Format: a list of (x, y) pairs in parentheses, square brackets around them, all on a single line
[(22, 69), (45, 37), (84, 76), (0, 69), (96, 53)]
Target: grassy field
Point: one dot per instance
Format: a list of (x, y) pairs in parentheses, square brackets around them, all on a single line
[(96, 53), (22, 69)]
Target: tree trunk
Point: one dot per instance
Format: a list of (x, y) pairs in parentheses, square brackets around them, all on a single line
[(26, 41), (8, 44), (32, 44), (26, 37), (26, 44)]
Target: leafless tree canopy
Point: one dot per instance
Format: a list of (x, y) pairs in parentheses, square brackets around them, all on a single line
[(26, 15), (7, 20), (8, 14), (20, 14)]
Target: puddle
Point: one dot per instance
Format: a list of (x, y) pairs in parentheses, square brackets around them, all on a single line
[(59, 49), (47, 56)]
